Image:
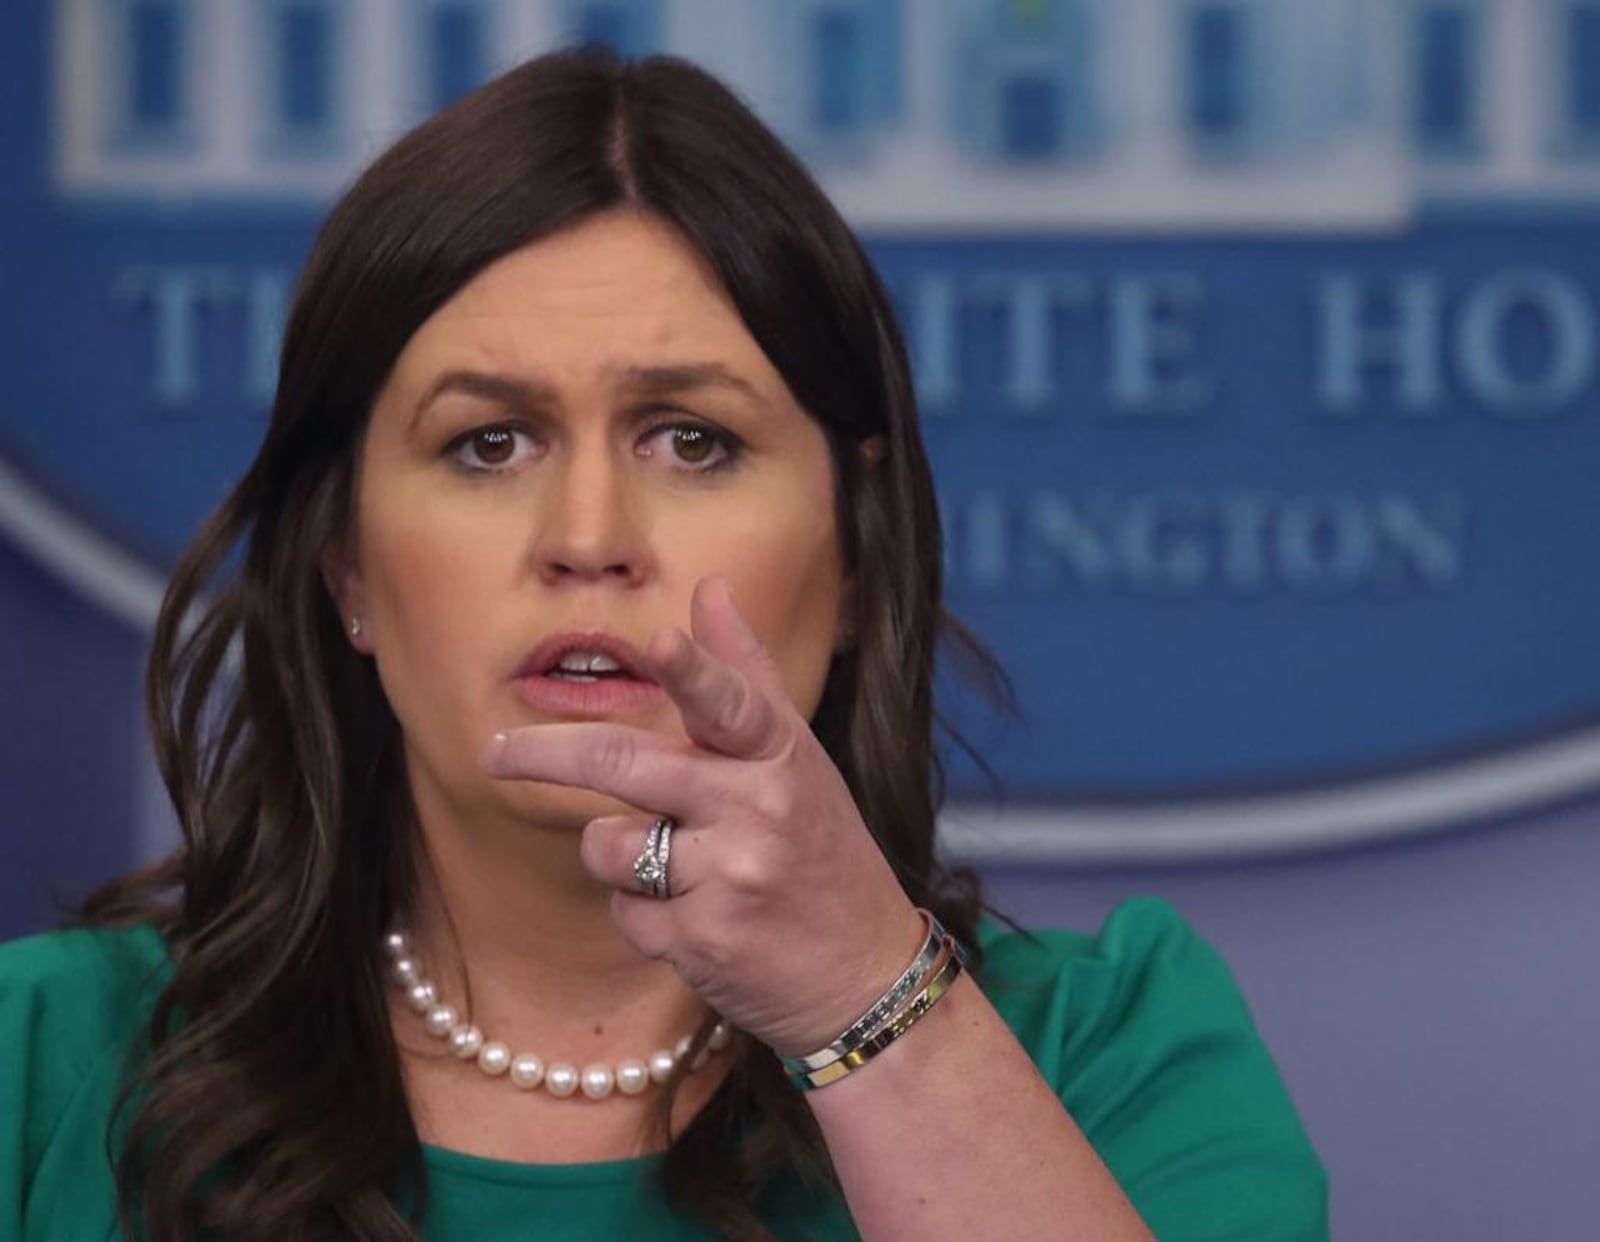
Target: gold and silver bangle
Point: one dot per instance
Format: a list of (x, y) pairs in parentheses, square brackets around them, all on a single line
[(902, 1022), (883, 1024), (884, 1008)]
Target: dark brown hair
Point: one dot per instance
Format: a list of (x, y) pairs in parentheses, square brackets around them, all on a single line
[(269, 1103)]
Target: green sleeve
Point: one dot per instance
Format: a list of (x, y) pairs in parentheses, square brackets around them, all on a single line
[(70, 1005), (1145, 1037)]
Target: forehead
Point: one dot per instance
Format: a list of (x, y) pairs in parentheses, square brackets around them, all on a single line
[(617, 290)]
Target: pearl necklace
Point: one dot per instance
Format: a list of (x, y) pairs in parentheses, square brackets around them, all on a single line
[(526, 1071)]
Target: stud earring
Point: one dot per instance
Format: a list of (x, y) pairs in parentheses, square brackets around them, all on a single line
[(355, 627)]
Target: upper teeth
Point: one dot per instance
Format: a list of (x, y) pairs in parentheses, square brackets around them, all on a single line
[(589, 662)]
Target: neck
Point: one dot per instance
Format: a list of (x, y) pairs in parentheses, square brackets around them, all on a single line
[(511, 927)]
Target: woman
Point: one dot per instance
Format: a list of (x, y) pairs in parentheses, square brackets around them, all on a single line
[(558, 845)]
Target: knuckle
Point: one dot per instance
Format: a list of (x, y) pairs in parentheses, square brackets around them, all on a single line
[(785, 753), (611, 757), (745, 872), (774, 802), (788, 751), (734, 710)]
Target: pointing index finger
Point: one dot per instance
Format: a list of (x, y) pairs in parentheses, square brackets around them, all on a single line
[(722, 707), (719, 626)]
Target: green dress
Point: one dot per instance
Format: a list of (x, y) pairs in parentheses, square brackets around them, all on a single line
[(1140, 1030)]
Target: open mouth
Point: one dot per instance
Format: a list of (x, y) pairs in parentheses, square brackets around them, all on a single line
[(587, 674), (587, 667)]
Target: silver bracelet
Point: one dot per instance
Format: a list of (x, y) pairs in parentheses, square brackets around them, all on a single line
[(867, 1025), (892, 1030)]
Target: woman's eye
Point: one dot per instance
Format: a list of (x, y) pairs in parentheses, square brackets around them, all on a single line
[(691, 444), (487, 449)]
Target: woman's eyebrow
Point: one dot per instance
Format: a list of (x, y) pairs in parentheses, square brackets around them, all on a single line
[(506, 389), (524, 393), (682, 377)]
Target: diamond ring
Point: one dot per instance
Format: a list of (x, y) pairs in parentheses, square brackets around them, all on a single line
[(650, 867)]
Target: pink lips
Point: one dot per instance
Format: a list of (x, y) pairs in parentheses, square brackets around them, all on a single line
[(631, 690)]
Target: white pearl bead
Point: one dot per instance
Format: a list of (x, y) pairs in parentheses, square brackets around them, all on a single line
[(405, 970), (598, 1080), (682, 1050), (561, 1079), (632, 1077), (441, 1020), (494, 1058), (465, 1041), (527, 1071)]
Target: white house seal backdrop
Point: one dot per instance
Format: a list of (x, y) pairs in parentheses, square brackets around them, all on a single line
[(1257, 342)]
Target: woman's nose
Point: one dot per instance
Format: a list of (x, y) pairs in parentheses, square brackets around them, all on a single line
[(587, 521)]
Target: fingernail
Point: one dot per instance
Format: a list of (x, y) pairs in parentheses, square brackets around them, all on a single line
[(492, 752)]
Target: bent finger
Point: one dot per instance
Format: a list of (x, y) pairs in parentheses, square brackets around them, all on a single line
[(650, 926), (719, 626), (613, 846), (722, 707)]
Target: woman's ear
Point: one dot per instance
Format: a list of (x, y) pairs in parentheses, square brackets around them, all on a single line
[(873, 450), (341, 575), (845, 639)]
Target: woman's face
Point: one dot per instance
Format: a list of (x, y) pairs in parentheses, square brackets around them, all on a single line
[(560, 453)]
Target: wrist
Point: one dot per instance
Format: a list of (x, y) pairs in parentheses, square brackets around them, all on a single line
[(859, 986), (915, 991)]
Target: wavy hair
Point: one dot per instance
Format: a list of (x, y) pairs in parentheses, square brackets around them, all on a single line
[(269, 1102)]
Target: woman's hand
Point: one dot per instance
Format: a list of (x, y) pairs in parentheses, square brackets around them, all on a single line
[(788, 921), (784, 915)]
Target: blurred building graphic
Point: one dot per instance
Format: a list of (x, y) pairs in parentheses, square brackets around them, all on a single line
[(917, 113)]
